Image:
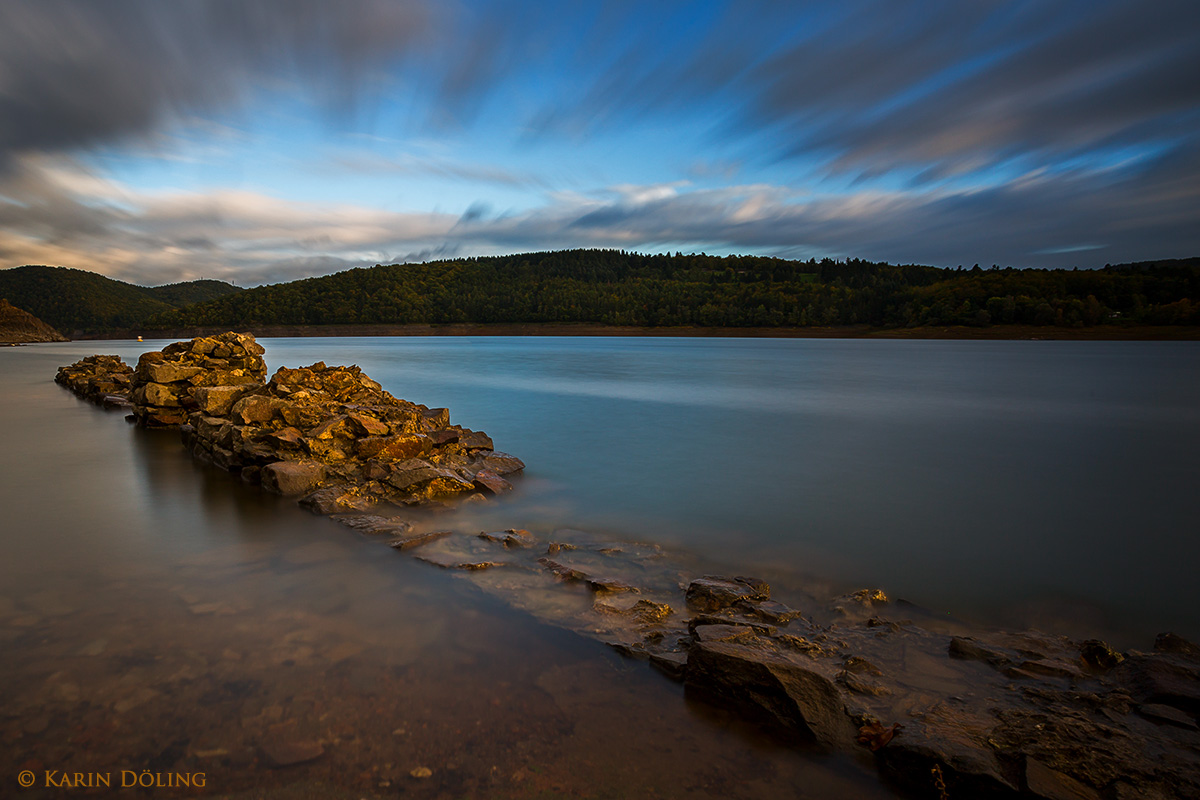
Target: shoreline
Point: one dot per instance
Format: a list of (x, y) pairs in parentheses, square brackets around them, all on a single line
[(953, 332)]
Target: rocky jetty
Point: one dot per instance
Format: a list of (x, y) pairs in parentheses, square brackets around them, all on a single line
[(334, 437), (18, 326), (106, 380), (328, 435)]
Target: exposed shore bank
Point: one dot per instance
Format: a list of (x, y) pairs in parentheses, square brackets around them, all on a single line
[(1095, 333), (997, 715)]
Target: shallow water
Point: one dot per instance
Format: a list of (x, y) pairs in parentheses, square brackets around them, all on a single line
[(159, 615), (155, 612)]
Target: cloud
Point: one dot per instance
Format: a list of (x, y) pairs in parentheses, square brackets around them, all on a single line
[(75, 74), (70, 217)]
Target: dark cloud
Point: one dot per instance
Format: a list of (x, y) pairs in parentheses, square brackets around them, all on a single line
[(75, 73)]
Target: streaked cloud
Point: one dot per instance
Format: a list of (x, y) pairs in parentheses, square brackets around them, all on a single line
[(933, 132)]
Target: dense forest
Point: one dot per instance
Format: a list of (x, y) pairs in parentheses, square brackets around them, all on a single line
[(78, 301), (611, 287)]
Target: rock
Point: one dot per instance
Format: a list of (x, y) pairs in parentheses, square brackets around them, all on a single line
[(217, 401), (1160, 679), (1171, 643), (711, 593), (100, 379), (956, 742), (286, 753), (1048, 784), (335, 500), (773, 685), (171, 371), (502, 463), (486, 479), (475, 440), (965, 647), (649, 611), (405, 541), (768, 611), (1156, 712), (862, 685), (394, 448), (292, 477), (1098, 656), (513, 537)]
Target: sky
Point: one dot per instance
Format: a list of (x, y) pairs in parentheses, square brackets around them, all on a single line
[(257, 141)]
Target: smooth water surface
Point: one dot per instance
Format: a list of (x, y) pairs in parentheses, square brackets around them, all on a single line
[(1018, 483), (157, 614)]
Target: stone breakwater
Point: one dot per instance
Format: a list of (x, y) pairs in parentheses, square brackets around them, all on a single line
[(941, 709), (330, 436)]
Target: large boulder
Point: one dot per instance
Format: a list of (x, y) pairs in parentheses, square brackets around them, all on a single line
[(747, 671), (292, 477)]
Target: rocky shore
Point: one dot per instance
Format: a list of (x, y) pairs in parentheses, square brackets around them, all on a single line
[(941, 710)]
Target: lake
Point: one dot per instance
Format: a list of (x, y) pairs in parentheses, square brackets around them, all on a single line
[(157, 612)]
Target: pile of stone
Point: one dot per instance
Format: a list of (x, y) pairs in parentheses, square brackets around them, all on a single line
[(330, 435), (106, 380), (335, 436), (165, 381)]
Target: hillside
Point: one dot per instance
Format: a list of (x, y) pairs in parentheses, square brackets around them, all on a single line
[(77, 301), (184, 294), (608, 287), (21, 326)]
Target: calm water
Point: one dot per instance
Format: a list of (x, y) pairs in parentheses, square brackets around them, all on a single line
[(155, 612), (1018, 483)]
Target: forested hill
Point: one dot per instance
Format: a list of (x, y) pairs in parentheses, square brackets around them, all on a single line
[(610, 287), (76, 301)]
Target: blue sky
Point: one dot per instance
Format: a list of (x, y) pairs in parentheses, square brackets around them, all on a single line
[(265, 141)]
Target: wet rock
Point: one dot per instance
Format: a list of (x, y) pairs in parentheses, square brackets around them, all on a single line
[(862, 685), (650, 612), (292, 477), (1160, 679), (288, 752), (502, 463), (767, 611), (1156, 712), (335, 500), (376, 525), (1043, 782), (1171, 643), (861, 666), (97, 378), (965, 647), (1098, 656), (712, 593), (490, 481), (956, 742), (771, 684), (405, 541), (513, 537)]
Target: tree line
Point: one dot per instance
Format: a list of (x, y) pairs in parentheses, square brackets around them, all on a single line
[(613, 287)]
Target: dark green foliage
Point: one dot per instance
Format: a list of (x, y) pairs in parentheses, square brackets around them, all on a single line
[(184, 294), (76, 301), (612, 287)]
